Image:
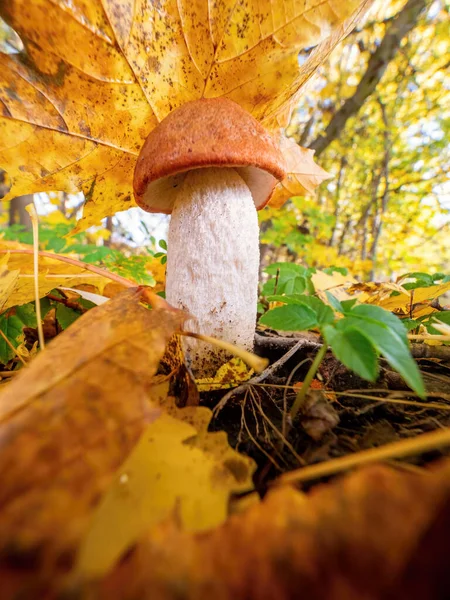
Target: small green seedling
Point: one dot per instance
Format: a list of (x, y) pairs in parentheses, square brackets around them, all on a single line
[(358, 334)]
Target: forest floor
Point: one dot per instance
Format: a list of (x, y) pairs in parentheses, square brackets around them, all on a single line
[(343, 414)]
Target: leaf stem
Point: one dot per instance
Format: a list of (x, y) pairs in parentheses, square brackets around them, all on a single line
[(301, 395)]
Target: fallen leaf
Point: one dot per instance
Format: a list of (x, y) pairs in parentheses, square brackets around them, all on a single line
[(8, 282), (95, 78), (12, 323), (18, 287), (414, 303), (231, 374), (288, 97), (176, 468), (351, 539), (67, 423)]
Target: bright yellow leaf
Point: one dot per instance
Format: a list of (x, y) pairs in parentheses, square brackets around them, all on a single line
[(229, 375), (18, 285), (176, 469)]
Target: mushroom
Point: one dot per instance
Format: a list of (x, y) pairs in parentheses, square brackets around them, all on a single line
[(212, 166)]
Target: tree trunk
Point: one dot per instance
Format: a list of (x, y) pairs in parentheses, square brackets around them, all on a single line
[(110, 227), (342, 166), (378, 224), (405, 20), (18, 214)]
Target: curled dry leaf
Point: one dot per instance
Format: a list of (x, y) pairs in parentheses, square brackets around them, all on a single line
[(415, 303), (304, 175), (95, 78), (358, 537), (67, 422)]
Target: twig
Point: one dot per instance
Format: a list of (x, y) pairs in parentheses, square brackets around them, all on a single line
[(264, 344), (427, 351), (259, 378), (255, 362), (402, 449), (302, 393), (429, 336), (280, 435)]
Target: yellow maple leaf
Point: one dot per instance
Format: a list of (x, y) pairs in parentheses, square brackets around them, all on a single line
[(175, 467), (17, 277), (96, 77)]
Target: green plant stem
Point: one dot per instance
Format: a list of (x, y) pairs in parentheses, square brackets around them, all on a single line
[(301, 395)]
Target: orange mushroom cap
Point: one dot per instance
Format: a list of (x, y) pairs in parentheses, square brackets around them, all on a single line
[(214, 132)]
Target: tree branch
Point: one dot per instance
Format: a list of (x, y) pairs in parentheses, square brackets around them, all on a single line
[(401, 25)]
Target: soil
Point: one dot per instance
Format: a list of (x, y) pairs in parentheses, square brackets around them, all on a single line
[(345, 415)]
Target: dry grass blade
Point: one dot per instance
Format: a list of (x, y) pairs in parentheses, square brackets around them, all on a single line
[(401, 449), (35, 225)]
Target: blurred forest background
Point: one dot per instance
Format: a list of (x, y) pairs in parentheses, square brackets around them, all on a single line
[(377, 116)]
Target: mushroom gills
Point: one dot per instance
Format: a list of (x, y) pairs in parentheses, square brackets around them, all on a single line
[(213, 263)]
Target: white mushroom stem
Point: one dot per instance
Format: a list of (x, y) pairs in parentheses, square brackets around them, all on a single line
[(213, 261)]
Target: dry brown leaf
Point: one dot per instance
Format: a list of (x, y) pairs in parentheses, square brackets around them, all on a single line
[(358, 537), (415, 303), (67, 422), (304, 175), (97, 76)]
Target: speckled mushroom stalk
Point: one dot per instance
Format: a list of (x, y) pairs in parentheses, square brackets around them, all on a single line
[(211, 165)]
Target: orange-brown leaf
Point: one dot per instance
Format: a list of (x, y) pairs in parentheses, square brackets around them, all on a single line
[(69, 420), (304, 175), (348, 540)]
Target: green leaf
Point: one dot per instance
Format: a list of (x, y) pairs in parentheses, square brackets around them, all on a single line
[(348, 304), (324, 314), (289, 279), (12, 324), (334, 302), (285, 268), (291, 317), (443, 316), (163, 244), (354, 350), (65, 315), (376, 313), (422, 280), (389, 339), (410, 324), (334, 269)]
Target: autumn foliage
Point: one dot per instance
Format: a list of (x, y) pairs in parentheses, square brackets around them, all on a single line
[(117, 479)]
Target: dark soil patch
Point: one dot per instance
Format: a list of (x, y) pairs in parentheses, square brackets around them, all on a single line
[(347, 416)]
